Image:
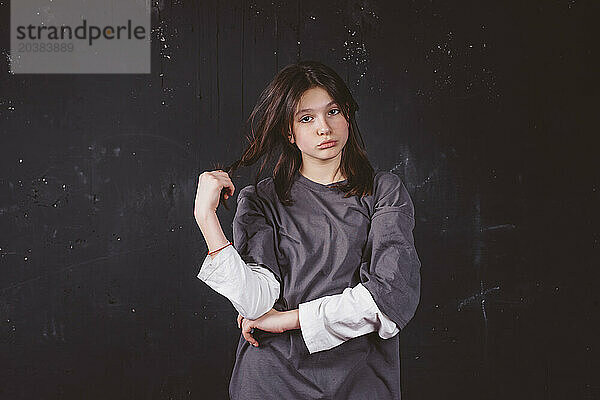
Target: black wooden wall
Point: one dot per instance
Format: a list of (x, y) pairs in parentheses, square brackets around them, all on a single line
[(485, 109)]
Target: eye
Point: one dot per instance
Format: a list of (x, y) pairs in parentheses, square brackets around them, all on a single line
[(335, 109), (303, 118)]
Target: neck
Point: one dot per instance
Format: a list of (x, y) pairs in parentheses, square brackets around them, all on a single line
[(324, 175)]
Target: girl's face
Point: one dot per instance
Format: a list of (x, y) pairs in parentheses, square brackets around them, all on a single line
[(319, 119)]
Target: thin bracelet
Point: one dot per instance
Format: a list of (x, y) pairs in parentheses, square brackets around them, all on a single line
[(214, 251)]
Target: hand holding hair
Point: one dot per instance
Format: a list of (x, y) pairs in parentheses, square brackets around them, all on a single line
[(208, 192)]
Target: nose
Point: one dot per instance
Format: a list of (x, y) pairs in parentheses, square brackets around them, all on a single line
[(323, 129)]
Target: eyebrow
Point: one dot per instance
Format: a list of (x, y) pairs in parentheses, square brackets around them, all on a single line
[(310, 109)]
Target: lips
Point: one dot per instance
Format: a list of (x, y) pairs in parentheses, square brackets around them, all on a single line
[(327, 143)]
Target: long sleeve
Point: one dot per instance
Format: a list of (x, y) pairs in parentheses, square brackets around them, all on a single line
[(329, 321), (247, 273), (253, 234), (325, 322), (391, 267), (389, 292), (251, 289)]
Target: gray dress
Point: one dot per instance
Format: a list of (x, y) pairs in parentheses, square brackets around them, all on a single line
[(317, 247)]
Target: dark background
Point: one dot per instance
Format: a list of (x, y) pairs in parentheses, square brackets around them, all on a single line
[(487, 110)]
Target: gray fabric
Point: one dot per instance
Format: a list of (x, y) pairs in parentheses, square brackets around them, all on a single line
[(317, 247)]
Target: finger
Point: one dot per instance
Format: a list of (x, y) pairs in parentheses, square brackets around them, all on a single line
[(246, 333), (225, 180), (229, 186), (227, 191), (217, 173), (239, 320), (220, 173), (249, 338)]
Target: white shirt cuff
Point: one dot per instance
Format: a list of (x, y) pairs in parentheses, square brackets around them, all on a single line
[(329, 321)]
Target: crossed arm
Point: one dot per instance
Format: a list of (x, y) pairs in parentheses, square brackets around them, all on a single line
[(325, 322), (390, 280)]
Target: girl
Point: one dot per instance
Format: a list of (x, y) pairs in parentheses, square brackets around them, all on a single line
[(322, 269)]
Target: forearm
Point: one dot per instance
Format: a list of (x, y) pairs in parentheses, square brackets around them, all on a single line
[(211, 230), (294, 319)]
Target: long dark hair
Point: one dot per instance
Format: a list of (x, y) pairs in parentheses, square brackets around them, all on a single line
[(271, 122)]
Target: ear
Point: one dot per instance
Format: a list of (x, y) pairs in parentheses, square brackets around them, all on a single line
[(290, 137)]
